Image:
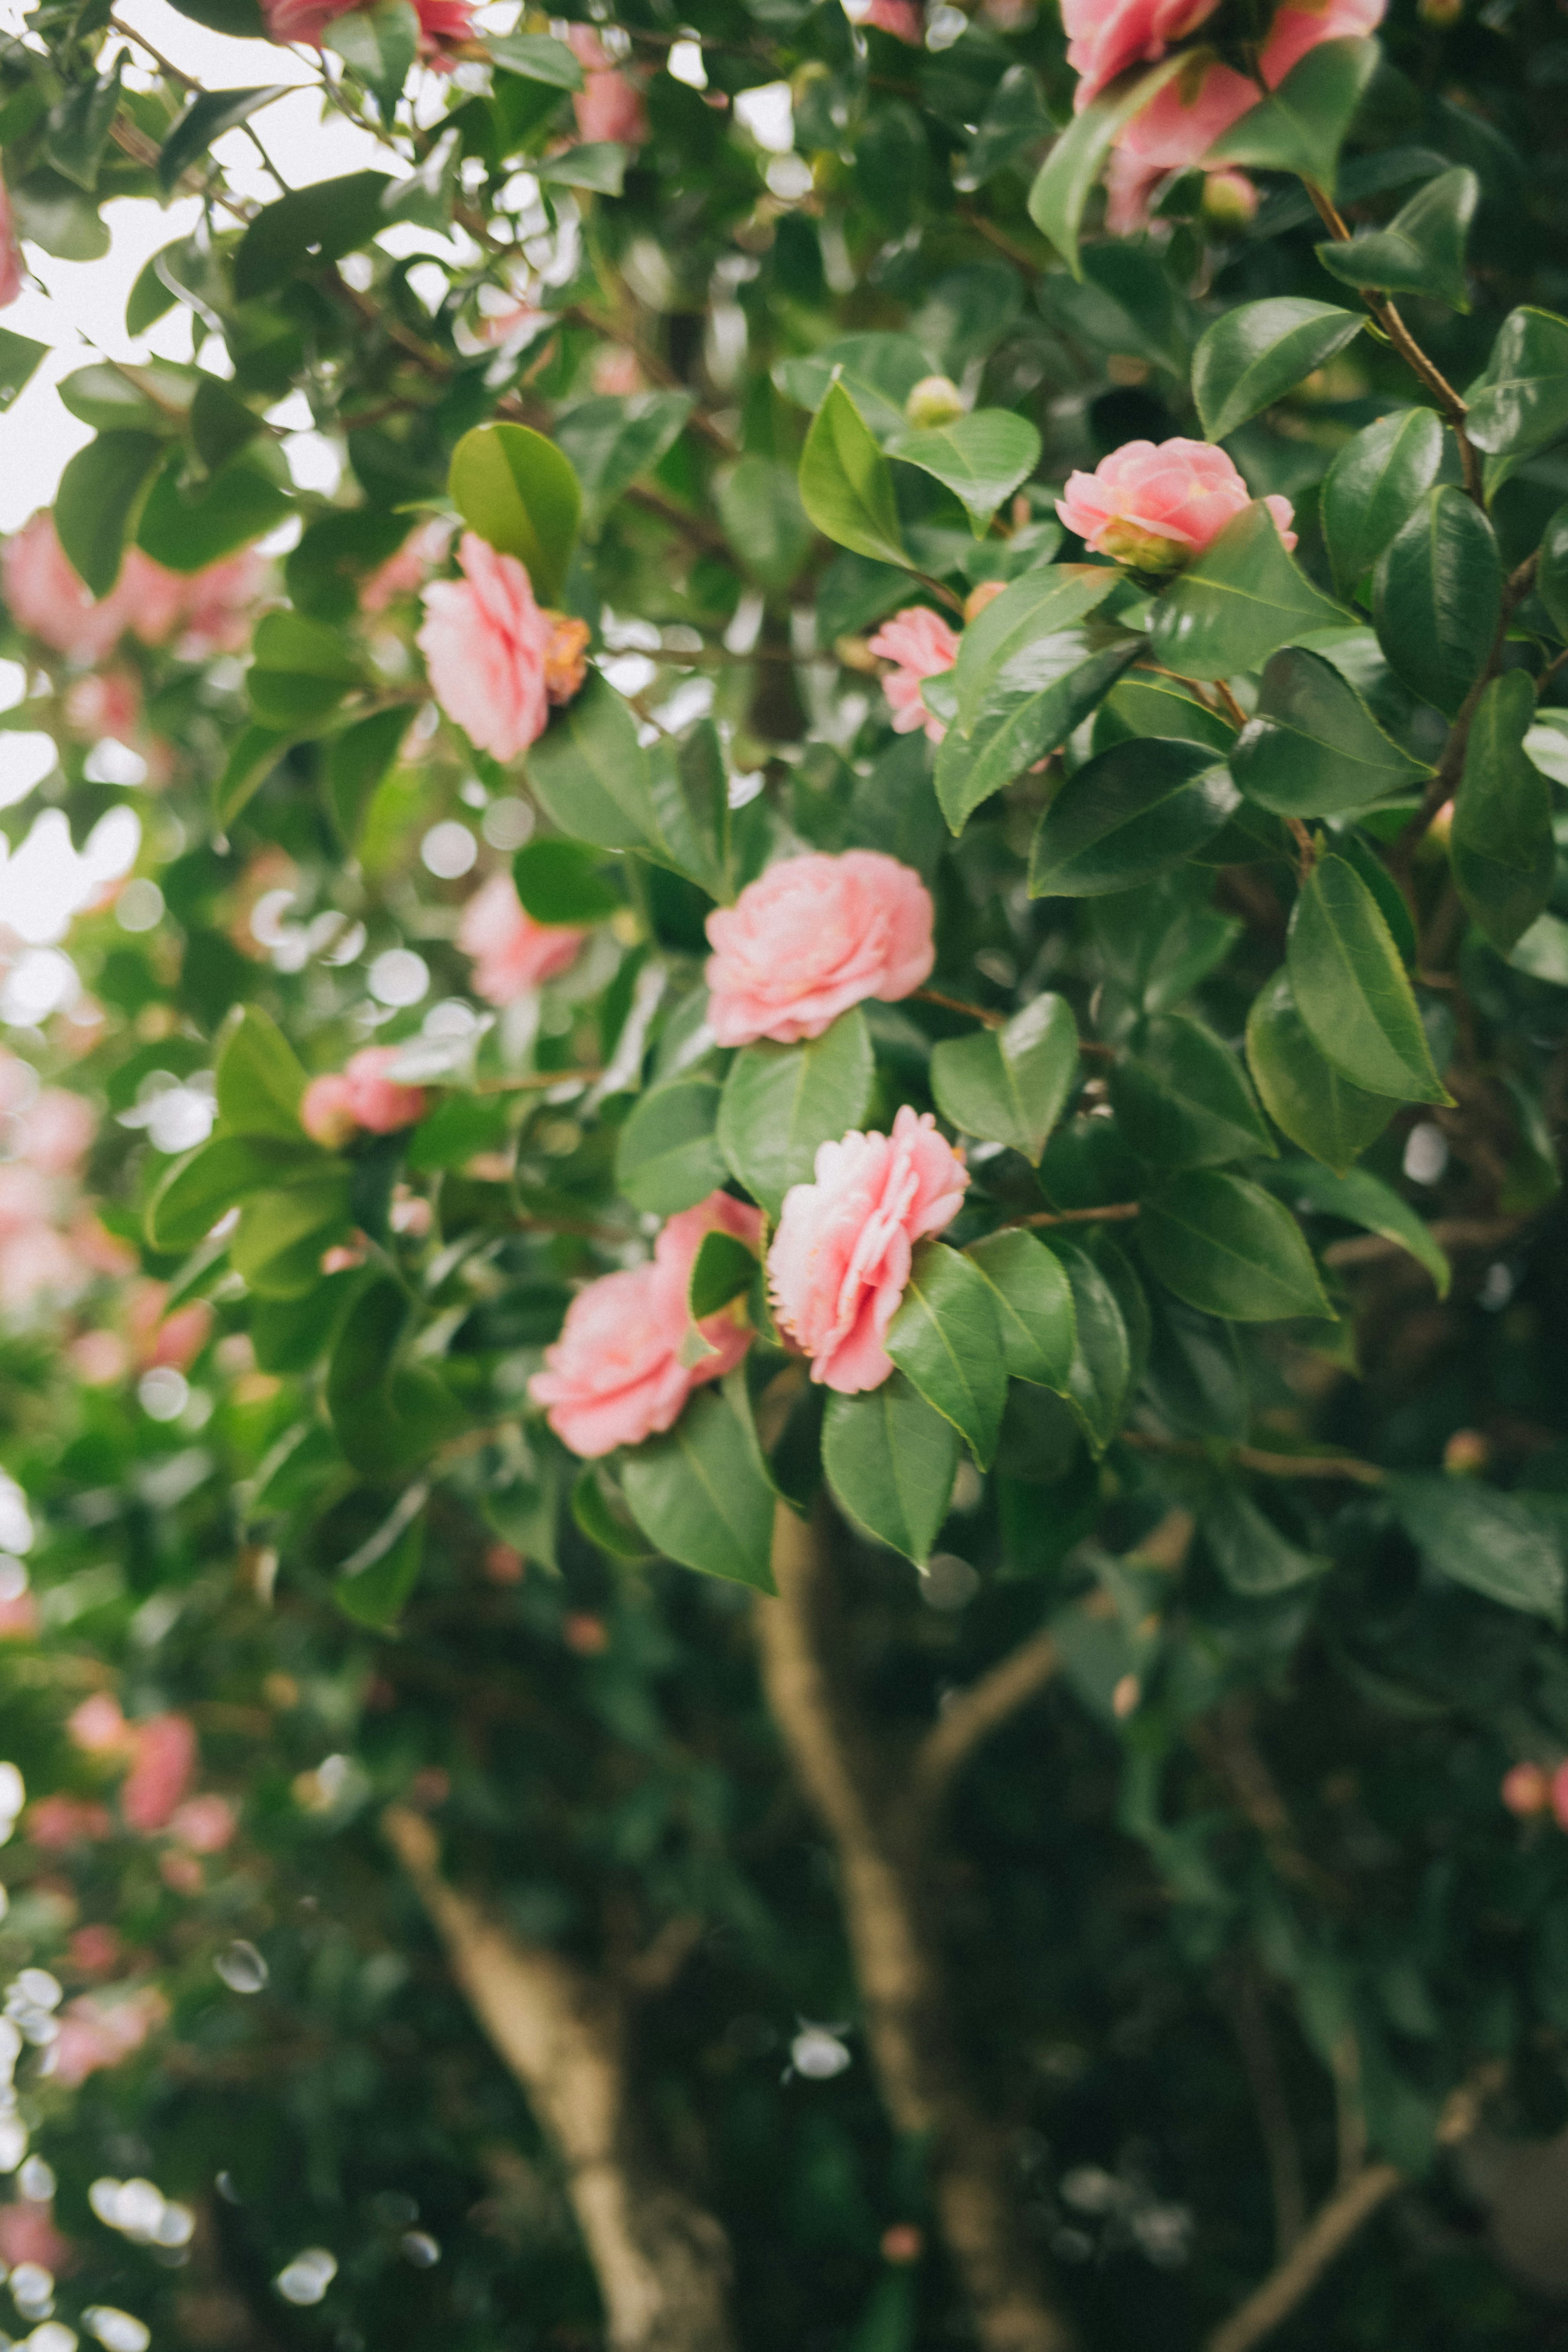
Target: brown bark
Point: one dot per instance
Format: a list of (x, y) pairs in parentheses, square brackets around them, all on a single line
[(662, 2262), (880, 1838)]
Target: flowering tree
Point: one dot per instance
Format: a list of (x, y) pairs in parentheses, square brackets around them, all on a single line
[(783, 1550)]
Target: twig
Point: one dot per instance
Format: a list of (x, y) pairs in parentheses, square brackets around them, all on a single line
[(1224, 1739), (1269, 1466), (1332, 2229), (958, 1004), (972, 1714), (1281, 2150), (1113, 1212)]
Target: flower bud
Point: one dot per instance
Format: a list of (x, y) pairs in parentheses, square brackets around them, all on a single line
[(1440, 12), (1230, 200), (974, 603), (935, 400), (1466, 1454), (1526, 1790)]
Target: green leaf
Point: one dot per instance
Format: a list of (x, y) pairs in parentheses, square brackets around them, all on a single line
[(1008, 1085), (220, 424), (1437, 596), (1034, 703), (600, 165), (845, 486), (301, 671), (209, 114), (701, 1495), (1501, 848), (1033, 1301), (877, 372), (764, 522), (1521, 402), (1062, 185), (600, 1510), (944, 1337), (1361, 1199), (1371, 489), (375, 1585), (1302, 126), (1126, 815), (1015, 120), (611, 440), (277, 1244), (326, 572), (519, 491), (1313, 748), (982, 458), (388, 1415), (1230, 1249), (100, 496), (79, 125), (561, 882), (1181, 1098), (1242, 600), (379, 44), (781, 1103), (591, 775), (1350, 987), (242, 19), (1099, 1377), (154, 398), (1485, 1540), (1253, 355), (315, 225), (1421, 250), (1306, 1096), (19, 356), (1149, 703), (1043, 604), (257, 751), (723, 1269), (537, 57), (1248, 1549), (668, 1156), (1551, 573), (259, 1078), (890, 1460), (358, 763), (207, 1183), (186, 528)]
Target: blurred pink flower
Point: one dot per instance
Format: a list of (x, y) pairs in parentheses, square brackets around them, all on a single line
[(28, 2234), (53, 1132), (361, 1095), (217, 604), (921, 643), (401, 573), (900, 17), (11, 263), (1526, 1789), (204, 1824), (1106, 36), (56, 1823), (105, 702), (512, 954), (99, 2030), (163, 1762), (19, 1618), (608, 106), (98, 1725), (1157, 506), (156, 1338), (615, 371), (46, 598), (96, 1950)]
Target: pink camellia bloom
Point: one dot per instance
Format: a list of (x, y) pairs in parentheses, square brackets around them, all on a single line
[(324, 1112), (105, 702), (99, 2030), (163, 1764), (608, 106), (900, 17), (922, 645), (811, 936), (53, 1132), (99, 1725), (1106, 36), (1526, 1790), (401, 573), (216, 606), (361, 1095), (19, 1619), (841, 1257), (47, 598), (11, 265), (615, 1375), (512, 954), (485, 643), (176, 1340), (442, 23), (56, 1823), (1302, 24), (97, 1950), (204, 1824), (28, 2234), (1157, 506)]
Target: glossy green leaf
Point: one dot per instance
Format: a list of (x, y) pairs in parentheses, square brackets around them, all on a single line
[(890, 1460), (611, 440), (982, 458), (1313, 748), (1421, 250), (519, 491), (1521, 404), (537, 57), (1374, 486), (210, 113), (1351, 989), (879, 371), (1009, 1084), (1147, 702), (255, 752), (560, 882), (389, 1416), (1302, 126), (276, 1247), (151, 398), (1242, 600), (375, 1585), (1483, 1540), (723, 1269), (301, 671), (1033, 1301), (1183, 1100), (945, 1338), (1099, 1378), (19, 356), (315, 227), (845, 486), (98, 498), (220, 424), (701, 1495), (1127, 815), (1034, 703), (1044, 602), (260, 1078), (1437, 598), (1551, 573), (379, 44), (1065, 178), (1229, 1248), (1501, 848), (1306, 1096), (79, 122), (669, 1157), (1253, 355), (186, 528), (207, 1183), (591, 775), (599, 164), (1249, 1551), (1363, 1199), (780, 1103), (358, 764)]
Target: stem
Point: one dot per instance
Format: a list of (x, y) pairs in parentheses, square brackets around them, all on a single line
[(1280, 2147), (957, 1005), (1332, 2228), (1111, 1213), (1270, 1466)]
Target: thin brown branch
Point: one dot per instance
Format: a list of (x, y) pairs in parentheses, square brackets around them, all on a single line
[(1269, 1466), (972, 1715), (1448, 1233), (959, 1004), (1112, 1213), (1332, 2228), (1281, 2148), (1225, 1740)]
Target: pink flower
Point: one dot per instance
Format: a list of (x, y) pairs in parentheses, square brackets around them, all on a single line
[(922, 645), (444, 26), (608, 106), (97, 1725), (406, 571), (216, 606), (485, 644), (162, 1763), (900, 17), (47, 598), (813, 935), (19, 1617), (11, 265), (1157, 507), (98, 2031), (1106, 36), (176, 1340), (841, 1256), (512, 953), (56, 1823), (28, 2234), (616, 373), (1526, 1790), (304, 21), (361, 1095), (53, 1132), (614, 1376), (107, 702), (204, 1824), (1300, 27), (97, 1950)]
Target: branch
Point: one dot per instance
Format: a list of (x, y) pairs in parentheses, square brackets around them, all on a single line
[(1111, 1213), (1332, 2228), (1281, 2146), (1252, 1457), (972, 1714)]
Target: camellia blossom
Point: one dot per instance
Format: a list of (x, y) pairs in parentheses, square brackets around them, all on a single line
[(842, 1254), (1156, 505), (99, 1725), (615, 1376), (1106, 36), (99, 2030), (163, 1764), (900, 17), (813, 935), (922, 645), (361, 1095), (512, 954), (497, 662), (204, 1824), (443, 23), (206, 612), (608, 106), (56, 1823), (11, 267)]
